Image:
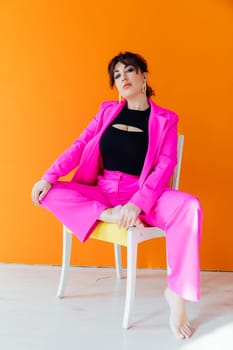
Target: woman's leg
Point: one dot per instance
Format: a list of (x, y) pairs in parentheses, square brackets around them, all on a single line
[(180, 215), (77, 206)]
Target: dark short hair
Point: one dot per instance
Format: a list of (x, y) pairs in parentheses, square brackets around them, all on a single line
[(129, 59)]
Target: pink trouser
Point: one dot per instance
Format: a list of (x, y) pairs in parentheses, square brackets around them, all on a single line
[(179, 214)]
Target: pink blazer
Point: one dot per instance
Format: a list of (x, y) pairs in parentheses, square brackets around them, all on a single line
[(160, 160)]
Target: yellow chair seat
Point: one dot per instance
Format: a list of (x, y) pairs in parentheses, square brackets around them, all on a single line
[(109, 232)]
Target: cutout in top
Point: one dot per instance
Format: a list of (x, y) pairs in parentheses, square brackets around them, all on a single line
[(127, 128)]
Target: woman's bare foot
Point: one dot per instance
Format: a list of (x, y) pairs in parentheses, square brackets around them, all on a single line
[(178, 319), (113, 215)]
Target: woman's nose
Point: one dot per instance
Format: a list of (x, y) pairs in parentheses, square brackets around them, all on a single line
[(123, 77)]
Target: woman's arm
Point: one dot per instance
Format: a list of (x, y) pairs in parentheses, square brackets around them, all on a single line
[(69, 159)]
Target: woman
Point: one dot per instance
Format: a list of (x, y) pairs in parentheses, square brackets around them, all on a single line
[(125, 158)]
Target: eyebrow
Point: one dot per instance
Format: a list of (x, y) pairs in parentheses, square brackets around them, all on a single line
[(126, 65)]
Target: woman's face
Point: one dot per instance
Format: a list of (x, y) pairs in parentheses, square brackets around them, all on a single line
[(128, 81)]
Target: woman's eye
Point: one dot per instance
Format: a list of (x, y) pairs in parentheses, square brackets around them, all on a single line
[(117, 76), (130, 69)]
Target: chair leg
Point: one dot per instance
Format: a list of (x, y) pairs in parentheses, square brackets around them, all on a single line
[(131, 277), (118, 264), (66, 252)]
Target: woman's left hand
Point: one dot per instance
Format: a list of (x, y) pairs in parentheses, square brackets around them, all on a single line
[(129, 215)]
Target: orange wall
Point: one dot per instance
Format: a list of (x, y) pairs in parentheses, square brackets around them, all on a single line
[(53, 77)]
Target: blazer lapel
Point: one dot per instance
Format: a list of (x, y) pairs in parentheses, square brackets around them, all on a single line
[(111, 115), (157, 127)]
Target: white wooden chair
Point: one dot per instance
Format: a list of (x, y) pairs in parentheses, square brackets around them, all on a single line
[(130, 238)]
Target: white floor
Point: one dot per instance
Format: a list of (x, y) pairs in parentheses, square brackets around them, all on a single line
[(90, 316)]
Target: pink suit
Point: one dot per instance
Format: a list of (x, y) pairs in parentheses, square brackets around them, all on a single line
[(79, 203)]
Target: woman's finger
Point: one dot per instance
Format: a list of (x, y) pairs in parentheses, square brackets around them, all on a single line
[(35, 199), (34, 196), (129, 222), (42, 194)]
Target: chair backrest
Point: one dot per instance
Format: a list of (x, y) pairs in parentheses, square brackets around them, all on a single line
[(176, 174)]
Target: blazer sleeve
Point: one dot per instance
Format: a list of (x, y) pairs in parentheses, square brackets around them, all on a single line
[(69, 159), (158, 180)]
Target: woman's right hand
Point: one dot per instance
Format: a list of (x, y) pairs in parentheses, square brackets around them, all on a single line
[(39, 190)]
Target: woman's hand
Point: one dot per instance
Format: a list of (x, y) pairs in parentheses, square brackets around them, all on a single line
[(39, 190), (129, 216)]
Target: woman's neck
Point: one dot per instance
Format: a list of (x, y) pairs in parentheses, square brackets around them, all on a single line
[(139, 104)]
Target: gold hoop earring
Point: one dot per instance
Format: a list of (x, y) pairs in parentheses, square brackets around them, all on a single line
[(144, 87), (119, 98)]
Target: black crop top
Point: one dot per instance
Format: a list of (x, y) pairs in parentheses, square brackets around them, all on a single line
[(126, 150)]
